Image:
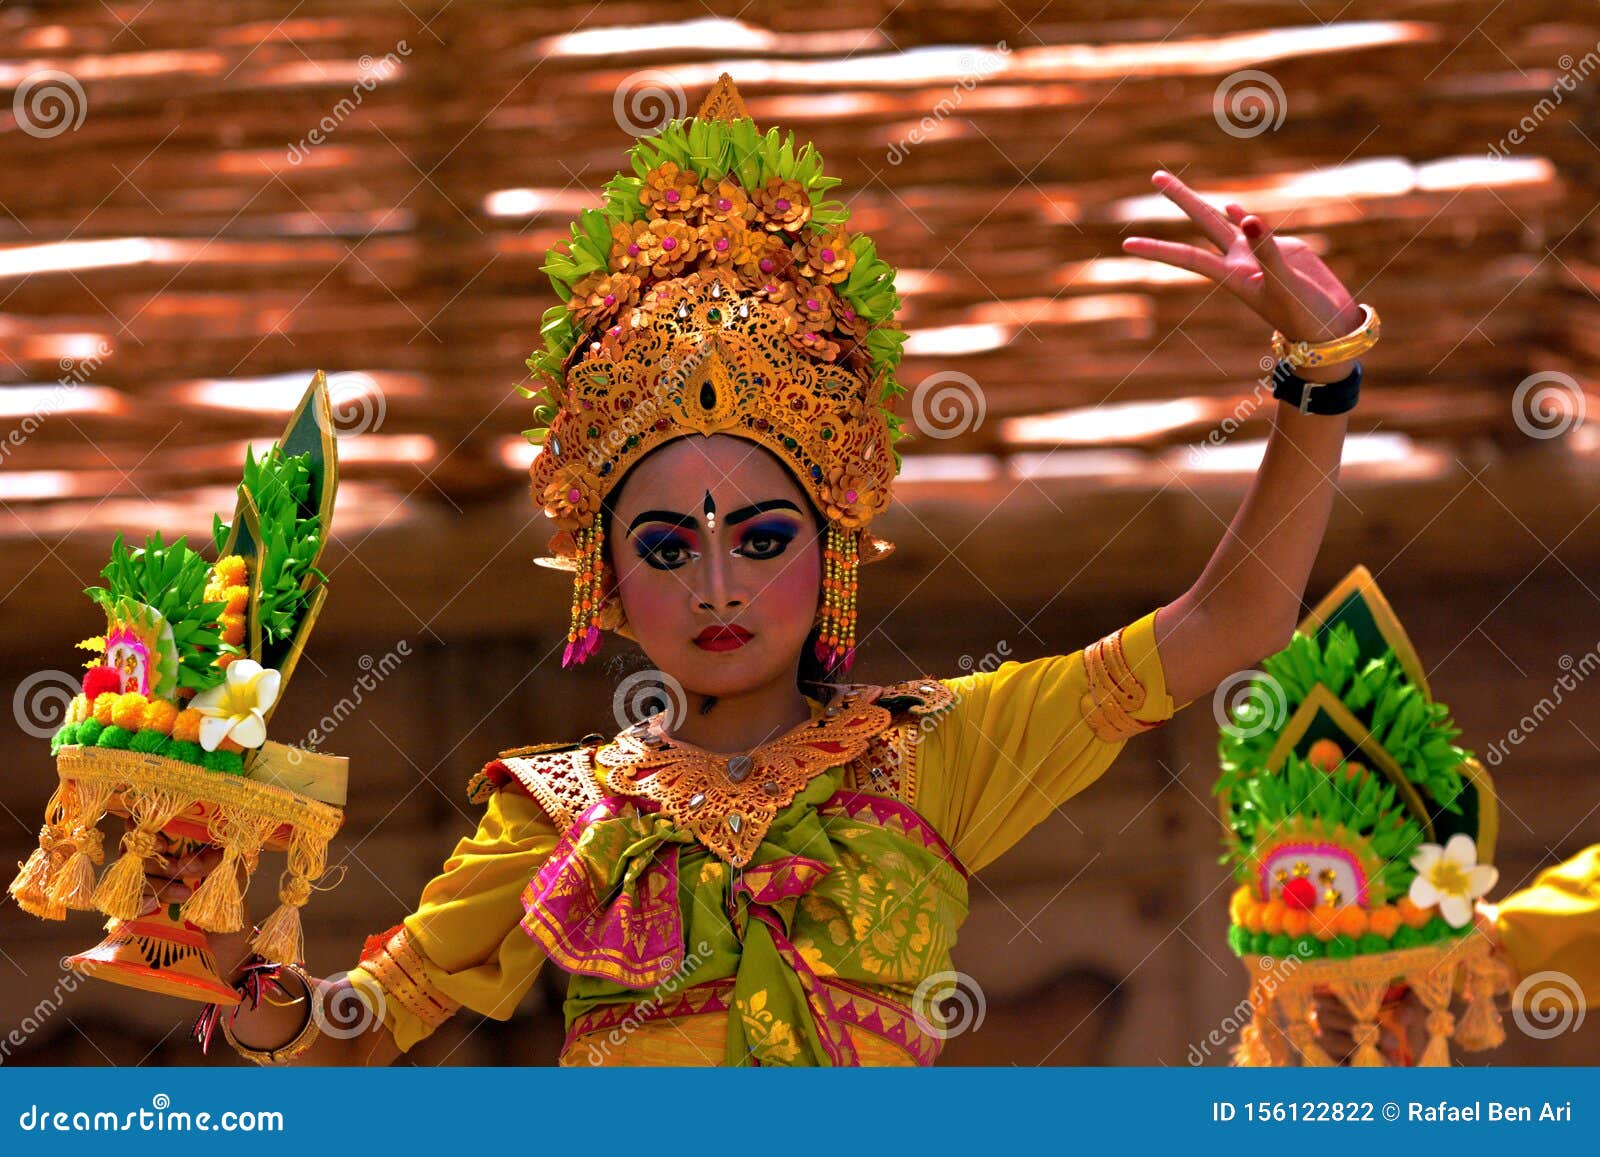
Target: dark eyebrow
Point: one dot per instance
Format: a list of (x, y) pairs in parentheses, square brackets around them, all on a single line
[(672, 517), (747, 512)]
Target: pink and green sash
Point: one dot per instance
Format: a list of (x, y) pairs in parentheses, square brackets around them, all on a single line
[(849, 903)]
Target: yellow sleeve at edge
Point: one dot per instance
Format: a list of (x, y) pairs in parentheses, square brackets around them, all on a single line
[(464, 946), (1024, 738), (1553, 925)]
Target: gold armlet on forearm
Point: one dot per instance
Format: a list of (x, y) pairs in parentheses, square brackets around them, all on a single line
[(402, 971)]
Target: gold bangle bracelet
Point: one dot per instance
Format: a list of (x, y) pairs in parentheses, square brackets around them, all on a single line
[(1338, 349), (302, 1040)]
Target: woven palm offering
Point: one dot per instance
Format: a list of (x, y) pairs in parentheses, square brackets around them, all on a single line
[(1360, 835), (170, 731)]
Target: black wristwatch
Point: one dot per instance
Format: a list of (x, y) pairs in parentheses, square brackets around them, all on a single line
[(1316, 397)]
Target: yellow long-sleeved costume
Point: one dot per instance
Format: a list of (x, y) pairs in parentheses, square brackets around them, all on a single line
[(1015, 743)]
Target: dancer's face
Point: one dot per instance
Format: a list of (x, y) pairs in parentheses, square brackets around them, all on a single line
[(718, 558)]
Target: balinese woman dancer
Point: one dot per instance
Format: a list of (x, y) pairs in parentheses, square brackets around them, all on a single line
[(775, 874)]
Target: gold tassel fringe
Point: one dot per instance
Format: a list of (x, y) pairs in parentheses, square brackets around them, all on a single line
[(31, 888), (280, 939)]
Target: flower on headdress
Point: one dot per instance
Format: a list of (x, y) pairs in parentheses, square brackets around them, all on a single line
[(1451, 877), (627, 245), (725, 200), (827, 256), (815, 305), (849, 496), (766, 257), (783, 205), (815, 344), (668, 247), (601, 296), (571, 500), (616, 339), (235, 708), (670, 191), (722, 242)]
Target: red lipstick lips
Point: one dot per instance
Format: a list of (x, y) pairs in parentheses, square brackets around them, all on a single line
[(722, 638)]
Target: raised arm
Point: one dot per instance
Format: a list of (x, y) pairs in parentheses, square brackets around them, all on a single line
[(1247, 600)]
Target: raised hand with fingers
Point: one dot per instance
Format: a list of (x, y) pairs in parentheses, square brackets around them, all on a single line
[(1280, 278)]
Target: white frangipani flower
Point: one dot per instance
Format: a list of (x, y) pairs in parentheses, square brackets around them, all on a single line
[(1451, 877), (234, 709)]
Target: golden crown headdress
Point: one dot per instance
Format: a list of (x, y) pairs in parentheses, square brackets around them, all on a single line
[(718, 291)]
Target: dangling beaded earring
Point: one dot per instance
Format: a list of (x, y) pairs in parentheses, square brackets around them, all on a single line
[(836, 644), (583, 636)]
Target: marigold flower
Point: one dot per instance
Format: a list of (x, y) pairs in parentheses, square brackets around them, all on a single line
[(186, 725), (104, 705), (160, 716), (128, 710), (230, 571)]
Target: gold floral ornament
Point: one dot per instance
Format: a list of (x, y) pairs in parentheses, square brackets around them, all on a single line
[(719, 290)]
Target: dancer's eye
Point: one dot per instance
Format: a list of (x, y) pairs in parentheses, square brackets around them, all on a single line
[(766, 540), (664, 549)]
